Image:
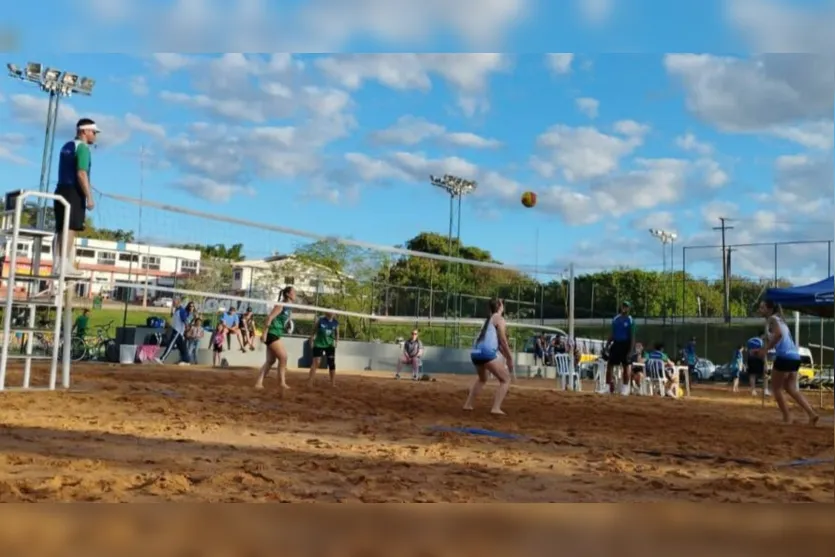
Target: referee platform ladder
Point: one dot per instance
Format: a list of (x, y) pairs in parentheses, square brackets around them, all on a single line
[(23, 297)]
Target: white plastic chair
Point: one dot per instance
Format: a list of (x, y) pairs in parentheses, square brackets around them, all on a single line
[(654, 377), (567, 374)]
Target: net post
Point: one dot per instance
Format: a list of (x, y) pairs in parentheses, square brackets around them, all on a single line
[(66, 355)]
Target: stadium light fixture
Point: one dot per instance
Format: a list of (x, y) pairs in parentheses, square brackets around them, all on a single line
[(14, 71), (33, 71)]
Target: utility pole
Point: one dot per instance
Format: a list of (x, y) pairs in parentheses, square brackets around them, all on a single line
[(725, 278)]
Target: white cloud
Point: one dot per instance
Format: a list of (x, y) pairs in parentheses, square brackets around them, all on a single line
[(689, 143), (588, 106), (560, 62), (29, 109), (785, 95), (713, 175), (136, 123), (585, 152), (212, 190), (595, 12), (804, 184), (10, 144), (139, 86), (416, 168), (782, 26), (409, 130), (468, 74)]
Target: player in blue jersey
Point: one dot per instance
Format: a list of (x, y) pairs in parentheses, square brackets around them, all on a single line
[(74, 165), (491, 341), (786, 362), (622, 346)]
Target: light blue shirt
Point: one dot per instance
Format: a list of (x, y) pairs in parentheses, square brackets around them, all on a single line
[(488, 346), (231, 319)]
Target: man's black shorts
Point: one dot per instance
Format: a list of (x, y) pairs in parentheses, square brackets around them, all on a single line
[(619, 353), (78, 208), (756, 367)]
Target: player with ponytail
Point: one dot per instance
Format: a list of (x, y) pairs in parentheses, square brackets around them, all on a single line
[(275, 327)]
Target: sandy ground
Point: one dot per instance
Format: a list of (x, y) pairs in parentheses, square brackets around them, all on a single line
[(189, 434)]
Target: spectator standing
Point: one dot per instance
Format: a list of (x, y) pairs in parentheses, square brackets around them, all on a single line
[(248, 328), (179, 318), (756, 364), (194, 334), (690, 357), (82, 324)]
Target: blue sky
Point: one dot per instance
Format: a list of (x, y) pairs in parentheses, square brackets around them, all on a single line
[(613, 144)]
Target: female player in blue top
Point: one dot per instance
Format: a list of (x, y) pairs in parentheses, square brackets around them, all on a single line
[(786, 362), (491, 341), (274, 329)]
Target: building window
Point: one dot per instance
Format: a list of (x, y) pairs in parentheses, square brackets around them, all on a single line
[(22, 248), (189, 267), (289, 280), (129, 257), (151, 263), (46, 249), (106, 258), (88, 253), (238, 274)]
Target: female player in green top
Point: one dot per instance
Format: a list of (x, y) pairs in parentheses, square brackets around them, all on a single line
[(323, 344), (274, 329)]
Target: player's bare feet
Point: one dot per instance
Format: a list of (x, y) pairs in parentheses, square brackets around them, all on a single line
[(813, 421), (467, 409), (259, 386), (497, 413), (285, 387)]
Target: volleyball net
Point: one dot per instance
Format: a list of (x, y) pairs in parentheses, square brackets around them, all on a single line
[(222, 260)]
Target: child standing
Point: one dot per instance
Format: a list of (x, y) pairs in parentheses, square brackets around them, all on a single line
[(194, 334), (218, 339)]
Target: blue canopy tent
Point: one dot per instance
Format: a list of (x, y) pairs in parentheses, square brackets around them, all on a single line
[(814, 299)]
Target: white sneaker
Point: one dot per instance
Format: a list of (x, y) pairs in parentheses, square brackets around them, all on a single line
[(625, 390)]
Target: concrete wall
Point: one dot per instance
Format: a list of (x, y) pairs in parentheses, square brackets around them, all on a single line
[(350, 355)]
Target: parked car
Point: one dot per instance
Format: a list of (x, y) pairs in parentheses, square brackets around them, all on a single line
[(163, 303), (722, 373), (703, 370)]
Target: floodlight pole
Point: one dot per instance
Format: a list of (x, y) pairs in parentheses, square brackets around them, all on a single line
[(56, 84), (665, 237), (455, 187)]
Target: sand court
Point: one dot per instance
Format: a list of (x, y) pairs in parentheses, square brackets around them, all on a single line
[(189, 434)]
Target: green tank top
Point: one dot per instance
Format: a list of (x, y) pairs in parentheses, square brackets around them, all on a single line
[(325, 333), (278, 324)]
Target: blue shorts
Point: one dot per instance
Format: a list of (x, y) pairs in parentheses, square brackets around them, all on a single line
[(481, 357)]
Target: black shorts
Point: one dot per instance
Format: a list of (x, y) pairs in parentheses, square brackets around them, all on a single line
[(217, 348), (78, 208), (480, 360), (619, 353), (271, 338), (784, 365), (756, 367), (324, 352)]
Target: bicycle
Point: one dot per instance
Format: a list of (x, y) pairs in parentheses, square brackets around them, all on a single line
[(103, 347), (42, 345)]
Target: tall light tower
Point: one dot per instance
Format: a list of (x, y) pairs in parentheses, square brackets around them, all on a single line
[(456, 188), (56, 83), (665, 237)]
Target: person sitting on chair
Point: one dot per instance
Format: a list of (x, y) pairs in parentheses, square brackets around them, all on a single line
[(412, 353)]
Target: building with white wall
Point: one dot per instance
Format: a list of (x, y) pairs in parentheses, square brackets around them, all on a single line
[(266, 277), (105, 262)]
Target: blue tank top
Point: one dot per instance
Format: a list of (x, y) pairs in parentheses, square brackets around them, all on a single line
[(785, 347), (488, 346)]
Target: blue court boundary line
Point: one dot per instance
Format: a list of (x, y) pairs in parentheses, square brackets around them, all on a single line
[(684, 456)]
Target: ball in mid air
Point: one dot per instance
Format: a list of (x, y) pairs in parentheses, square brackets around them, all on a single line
[(529, 199)]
